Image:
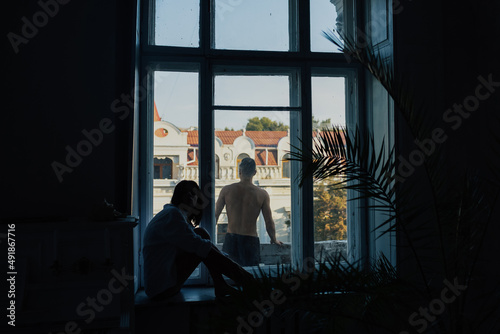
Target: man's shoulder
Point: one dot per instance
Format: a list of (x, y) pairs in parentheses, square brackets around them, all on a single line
[(260, 189), (230, 187)]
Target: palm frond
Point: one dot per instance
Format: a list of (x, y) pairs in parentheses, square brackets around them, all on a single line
[(352, 162), (382, 70)]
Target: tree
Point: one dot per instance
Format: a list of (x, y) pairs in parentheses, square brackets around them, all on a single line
[(265, 124), (329, 212), (320, 125)]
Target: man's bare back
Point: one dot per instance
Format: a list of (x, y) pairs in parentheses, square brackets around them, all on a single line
[(244, 202)]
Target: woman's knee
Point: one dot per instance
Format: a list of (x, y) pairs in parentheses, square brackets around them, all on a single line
[(202, 233)]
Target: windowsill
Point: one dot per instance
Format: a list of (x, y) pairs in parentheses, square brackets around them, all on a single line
[(200, 294), (183, 313), (271, 254), (188, 294)]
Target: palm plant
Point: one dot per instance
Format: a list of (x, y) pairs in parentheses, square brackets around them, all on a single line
[(443, 235), (456, 215)]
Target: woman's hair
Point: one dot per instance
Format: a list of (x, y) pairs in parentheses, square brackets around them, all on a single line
[(181, 198)]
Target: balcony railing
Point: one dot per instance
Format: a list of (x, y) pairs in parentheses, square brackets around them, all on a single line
[(230, 173)]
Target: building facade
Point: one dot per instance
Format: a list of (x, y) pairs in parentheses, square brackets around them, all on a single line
[(176, 159)]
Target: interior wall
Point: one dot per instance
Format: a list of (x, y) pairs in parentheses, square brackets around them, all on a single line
[(68, 74), (443, 49)]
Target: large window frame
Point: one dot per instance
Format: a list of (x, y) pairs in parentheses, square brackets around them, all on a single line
[(207, 60)]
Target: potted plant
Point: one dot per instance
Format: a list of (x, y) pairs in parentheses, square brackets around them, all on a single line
[(343, 297)]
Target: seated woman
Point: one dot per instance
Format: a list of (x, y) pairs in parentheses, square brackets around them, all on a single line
[(174, 247)]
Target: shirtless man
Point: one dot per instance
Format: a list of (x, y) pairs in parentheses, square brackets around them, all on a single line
[(244, 201)]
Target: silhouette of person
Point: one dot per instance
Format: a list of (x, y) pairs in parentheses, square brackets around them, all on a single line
[(174, 247), (244, 201)]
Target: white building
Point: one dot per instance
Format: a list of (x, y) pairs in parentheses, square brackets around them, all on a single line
[(176, 158)]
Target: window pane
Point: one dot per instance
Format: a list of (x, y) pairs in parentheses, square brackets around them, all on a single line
[(285, 166), (330, 203), (177, 23), (252, 25), (326, 15), (252, 90), (236, 139), (167, 171), (176, 132), (156, 174)]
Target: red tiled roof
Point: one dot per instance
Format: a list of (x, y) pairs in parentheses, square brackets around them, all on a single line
[(228, 137), (260, 157), (260, 138), (157, 116), (266, 138), (192, 139)]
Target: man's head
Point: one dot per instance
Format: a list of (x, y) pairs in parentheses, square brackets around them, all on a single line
[(247, 168)]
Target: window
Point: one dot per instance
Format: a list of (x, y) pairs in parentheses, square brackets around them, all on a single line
[(252, 25), (176, 23), (162, 168), (175, 124), (285, 166), (329, 203), (231, 79), (238, 160), (217, 167), (260, 130)]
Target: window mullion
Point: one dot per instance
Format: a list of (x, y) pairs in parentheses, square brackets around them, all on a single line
[(146, 154), (206, 26), (304, 24), (205, 116), (206, 151), (147, 25), (307, 237)]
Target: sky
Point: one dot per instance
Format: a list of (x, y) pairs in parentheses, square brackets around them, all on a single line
[(176, 93)]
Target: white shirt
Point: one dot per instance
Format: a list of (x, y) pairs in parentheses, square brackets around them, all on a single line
[(167, 234)]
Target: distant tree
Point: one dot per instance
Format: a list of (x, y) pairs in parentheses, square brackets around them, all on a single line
[(264, 124), (330, 215), (228, 129), (320, 125), (330, 203)]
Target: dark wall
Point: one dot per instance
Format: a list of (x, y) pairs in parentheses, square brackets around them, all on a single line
[(443, 48), (73, 60)]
